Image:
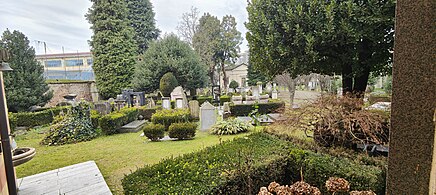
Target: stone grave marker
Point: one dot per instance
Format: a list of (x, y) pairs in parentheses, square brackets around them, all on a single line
[(255, 91), (177, 93), (237, 99), (179, 103), (194, 107), (250, 100), (264, 98), (208, 116), (166, 103), (274, 94)]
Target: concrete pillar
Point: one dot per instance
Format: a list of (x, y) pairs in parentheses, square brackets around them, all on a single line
[(412, 136)]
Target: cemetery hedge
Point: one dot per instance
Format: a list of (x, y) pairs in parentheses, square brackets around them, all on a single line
[(182, 130), (111, 123), (147, 112), (263, 108), (224, 98), (167, 117), (95, 116), (12, 121), (202, 99), (245, 164), (32, 119), (154, 132)]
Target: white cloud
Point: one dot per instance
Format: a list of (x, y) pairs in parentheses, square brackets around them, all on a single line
[(63, 23)]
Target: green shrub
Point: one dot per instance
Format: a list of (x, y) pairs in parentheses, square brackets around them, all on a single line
[(317, 168), (224, 98), (202, 99), (182, 130), (263, 108), (95, 116), (147, 112), (233, 84), (45, 117), (154, 132), (167, 117), (167, 84), (75, 126), (111, 123), (244, 165), (12, 121), (231, 126)]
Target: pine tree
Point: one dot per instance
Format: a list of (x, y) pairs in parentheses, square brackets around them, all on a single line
[(112, 45), (142, 20), (25, 86)]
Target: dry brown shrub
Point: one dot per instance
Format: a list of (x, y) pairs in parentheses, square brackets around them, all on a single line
[(338, 121)]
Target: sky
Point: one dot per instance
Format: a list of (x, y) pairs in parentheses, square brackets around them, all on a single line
[(62, 23)]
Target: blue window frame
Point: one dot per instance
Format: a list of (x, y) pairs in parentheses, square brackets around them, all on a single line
[(89, 61), (75, 62), (53, 63)]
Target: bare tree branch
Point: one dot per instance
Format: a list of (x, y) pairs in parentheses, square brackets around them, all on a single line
[(187, 27)]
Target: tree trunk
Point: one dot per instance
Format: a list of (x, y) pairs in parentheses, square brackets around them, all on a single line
[(223, 69), (211, 75), (347, 80), (361, 80), (291, 88)]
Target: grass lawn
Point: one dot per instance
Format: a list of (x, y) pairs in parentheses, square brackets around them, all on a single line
[(115, 155)]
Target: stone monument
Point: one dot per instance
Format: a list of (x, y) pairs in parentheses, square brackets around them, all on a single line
[(412, 151), (194, 108), (166, 103), (178, 92), (208, 116)]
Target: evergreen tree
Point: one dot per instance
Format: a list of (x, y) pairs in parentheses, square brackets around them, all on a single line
[(169, 54), (112, 45), (167, 84), (25, 86), (142, 20), (229, 44), (255, 76), (206, 42)]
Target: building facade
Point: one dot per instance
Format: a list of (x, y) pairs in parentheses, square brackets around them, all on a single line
[(68, 66), (237, 73)]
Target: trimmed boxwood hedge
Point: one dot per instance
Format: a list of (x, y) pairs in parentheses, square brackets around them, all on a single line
[(32, 119), (263, 108), (182, 130), (154, 132), (12, 121), (224, 98), (259, 158), (167, 117), (202, 99), (111, 123)]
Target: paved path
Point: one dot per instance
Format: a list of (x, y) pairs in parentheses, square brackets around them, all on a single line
[(82, 178)]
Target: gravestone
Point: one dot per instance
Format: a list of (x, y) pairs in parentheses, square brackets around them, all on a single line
[(177, 93), (274, 94), (194, 107), (208, 116), (412, 163), (237, 99), (179, 103), (268, 88), (250, 100), (259, 86), (102, 108), (226, 110), (264, 98), (166, 103), (255, 91), (151, 103)]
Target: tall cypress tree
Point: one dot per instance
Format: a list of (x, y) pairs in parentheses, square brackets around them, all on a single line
[(25, 86), (142, 20), (112, 45)]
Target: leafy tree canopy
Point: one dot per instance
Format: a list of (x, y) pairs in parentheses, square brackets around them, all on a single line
[(169, 54), (112, 45), (352, 38), (25, 86), (141, 17)]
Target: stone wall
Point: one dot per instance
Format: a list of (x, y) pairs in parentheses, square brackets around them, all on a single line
[(85, 90)]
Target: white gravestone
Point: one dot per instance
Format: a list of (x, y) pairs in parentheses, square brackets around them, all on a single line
[(274, 94), (256, 93), (237, 99), (179, 103), (166, 103), (208, 116)]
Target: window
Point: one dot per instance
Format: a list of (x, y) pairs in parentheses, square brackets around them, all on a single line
[(89, 61), (53, 63), (75, 62)]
